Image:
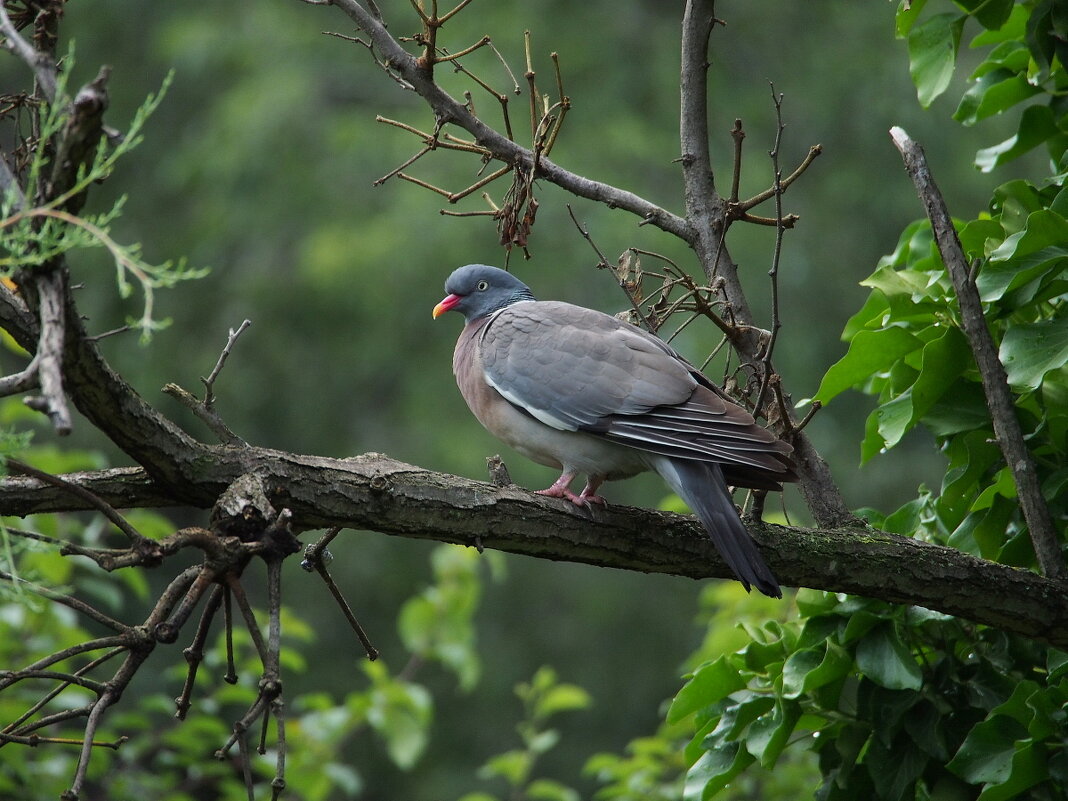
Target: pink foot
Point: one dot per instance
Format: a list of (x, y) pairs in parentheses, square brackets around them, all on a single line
[(588, 496), (589, 492), (563, 492)]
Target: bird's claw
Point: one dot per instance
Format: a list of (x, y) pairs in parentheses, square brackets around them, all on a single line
[(583, 499)]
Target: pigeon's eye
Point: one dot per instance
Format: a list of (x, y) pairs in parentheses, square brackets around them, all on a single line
[(482, 286)]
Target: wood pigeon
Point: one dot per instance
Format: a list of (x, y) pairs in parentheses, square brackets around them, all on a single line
[(586, 393)]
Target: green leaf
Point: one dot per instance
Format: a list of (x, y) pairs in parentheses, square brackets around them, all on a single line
[(1010, 55), (962, 408), (987, 752), (906, 16), (1012, 30), (894, 770), (1037, 125), (882, 657), (970, 456), (893, 419), (548, 790), (1056, 664), (1044, 228), (991, 14), (925, 725), (1003, 485), (860, 623), (991, 94), (512, 766), (871, 315), (714, 770), (737, 718), (933, 54), (1030, 350), (997, 278), (1014, 201), (561, 698), (980, 237), (943, 360), (769, 734), (1029, 766), (884, 710), (710, 683), (401, 712), (869, 352), (799, 665)]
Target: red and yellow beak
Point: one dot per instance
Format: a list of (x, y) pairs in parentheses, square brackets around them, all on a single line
[(446, 304)]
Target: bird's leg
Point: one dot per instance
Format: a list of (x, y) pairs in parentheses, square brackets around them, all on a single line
[(589, 492), (560, 489)]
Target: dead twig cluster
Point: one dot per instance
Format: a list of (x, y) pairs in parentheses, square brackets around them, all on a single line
[(244, 526), (515, 214)]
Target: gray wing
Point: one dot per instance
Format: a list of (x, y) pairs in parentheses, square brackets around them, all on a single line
[(577, 369), (574, 368)]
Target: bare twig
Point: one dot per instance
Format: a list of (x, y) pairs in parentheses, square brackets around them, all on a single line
[(502, 147), (999, 398), (44, 68), (137, 539), (205, 409), (316, 557), (773, 273), (194, 654), (738, 135), (784, 184), (21, 381), (209, 382)]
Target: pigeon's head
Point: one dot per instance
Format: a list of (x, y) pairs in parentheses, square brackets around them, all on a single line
[(478, 289)]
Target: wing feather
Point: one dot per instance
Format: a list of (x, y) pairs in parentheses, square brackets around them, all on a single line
[(577, 369)]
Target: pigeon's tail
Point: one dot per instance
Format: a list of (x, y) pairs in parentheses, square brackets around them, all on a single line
[(702, 487)]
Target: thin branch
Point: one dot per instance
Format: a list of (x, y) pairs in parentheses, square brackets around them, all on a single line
[(773, 273), (137, 539), (738, 135), (485, 40), (194, 654), (316, 557), (209, 382), (70, 602), (995, 381), (784, 183), (450, 110), (21, 381), (44, 68)]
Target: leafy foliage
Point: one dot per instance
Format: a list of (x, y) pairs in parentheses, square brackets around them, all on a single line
[(904, 703), (391, 705), (897, 703), (36, 233), (544, 697)]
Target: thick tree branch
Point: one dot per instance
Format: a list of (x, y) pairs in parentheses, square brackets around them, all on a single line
[(51, 290), (374, 492), (999, 398)]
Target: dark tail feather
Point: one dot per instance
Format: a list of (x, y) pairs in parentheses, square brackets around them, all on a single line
[(702, 486)]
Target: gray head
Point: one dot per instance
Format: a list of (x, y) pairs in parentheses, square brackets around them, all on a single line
[(478, 289)]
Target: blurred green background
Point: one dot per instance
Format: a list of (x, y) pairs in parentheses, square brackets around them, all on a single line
[(260, 163)]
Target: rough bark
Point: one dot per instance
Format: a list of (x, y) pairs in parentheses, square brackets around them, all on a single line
[(378, 493)]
